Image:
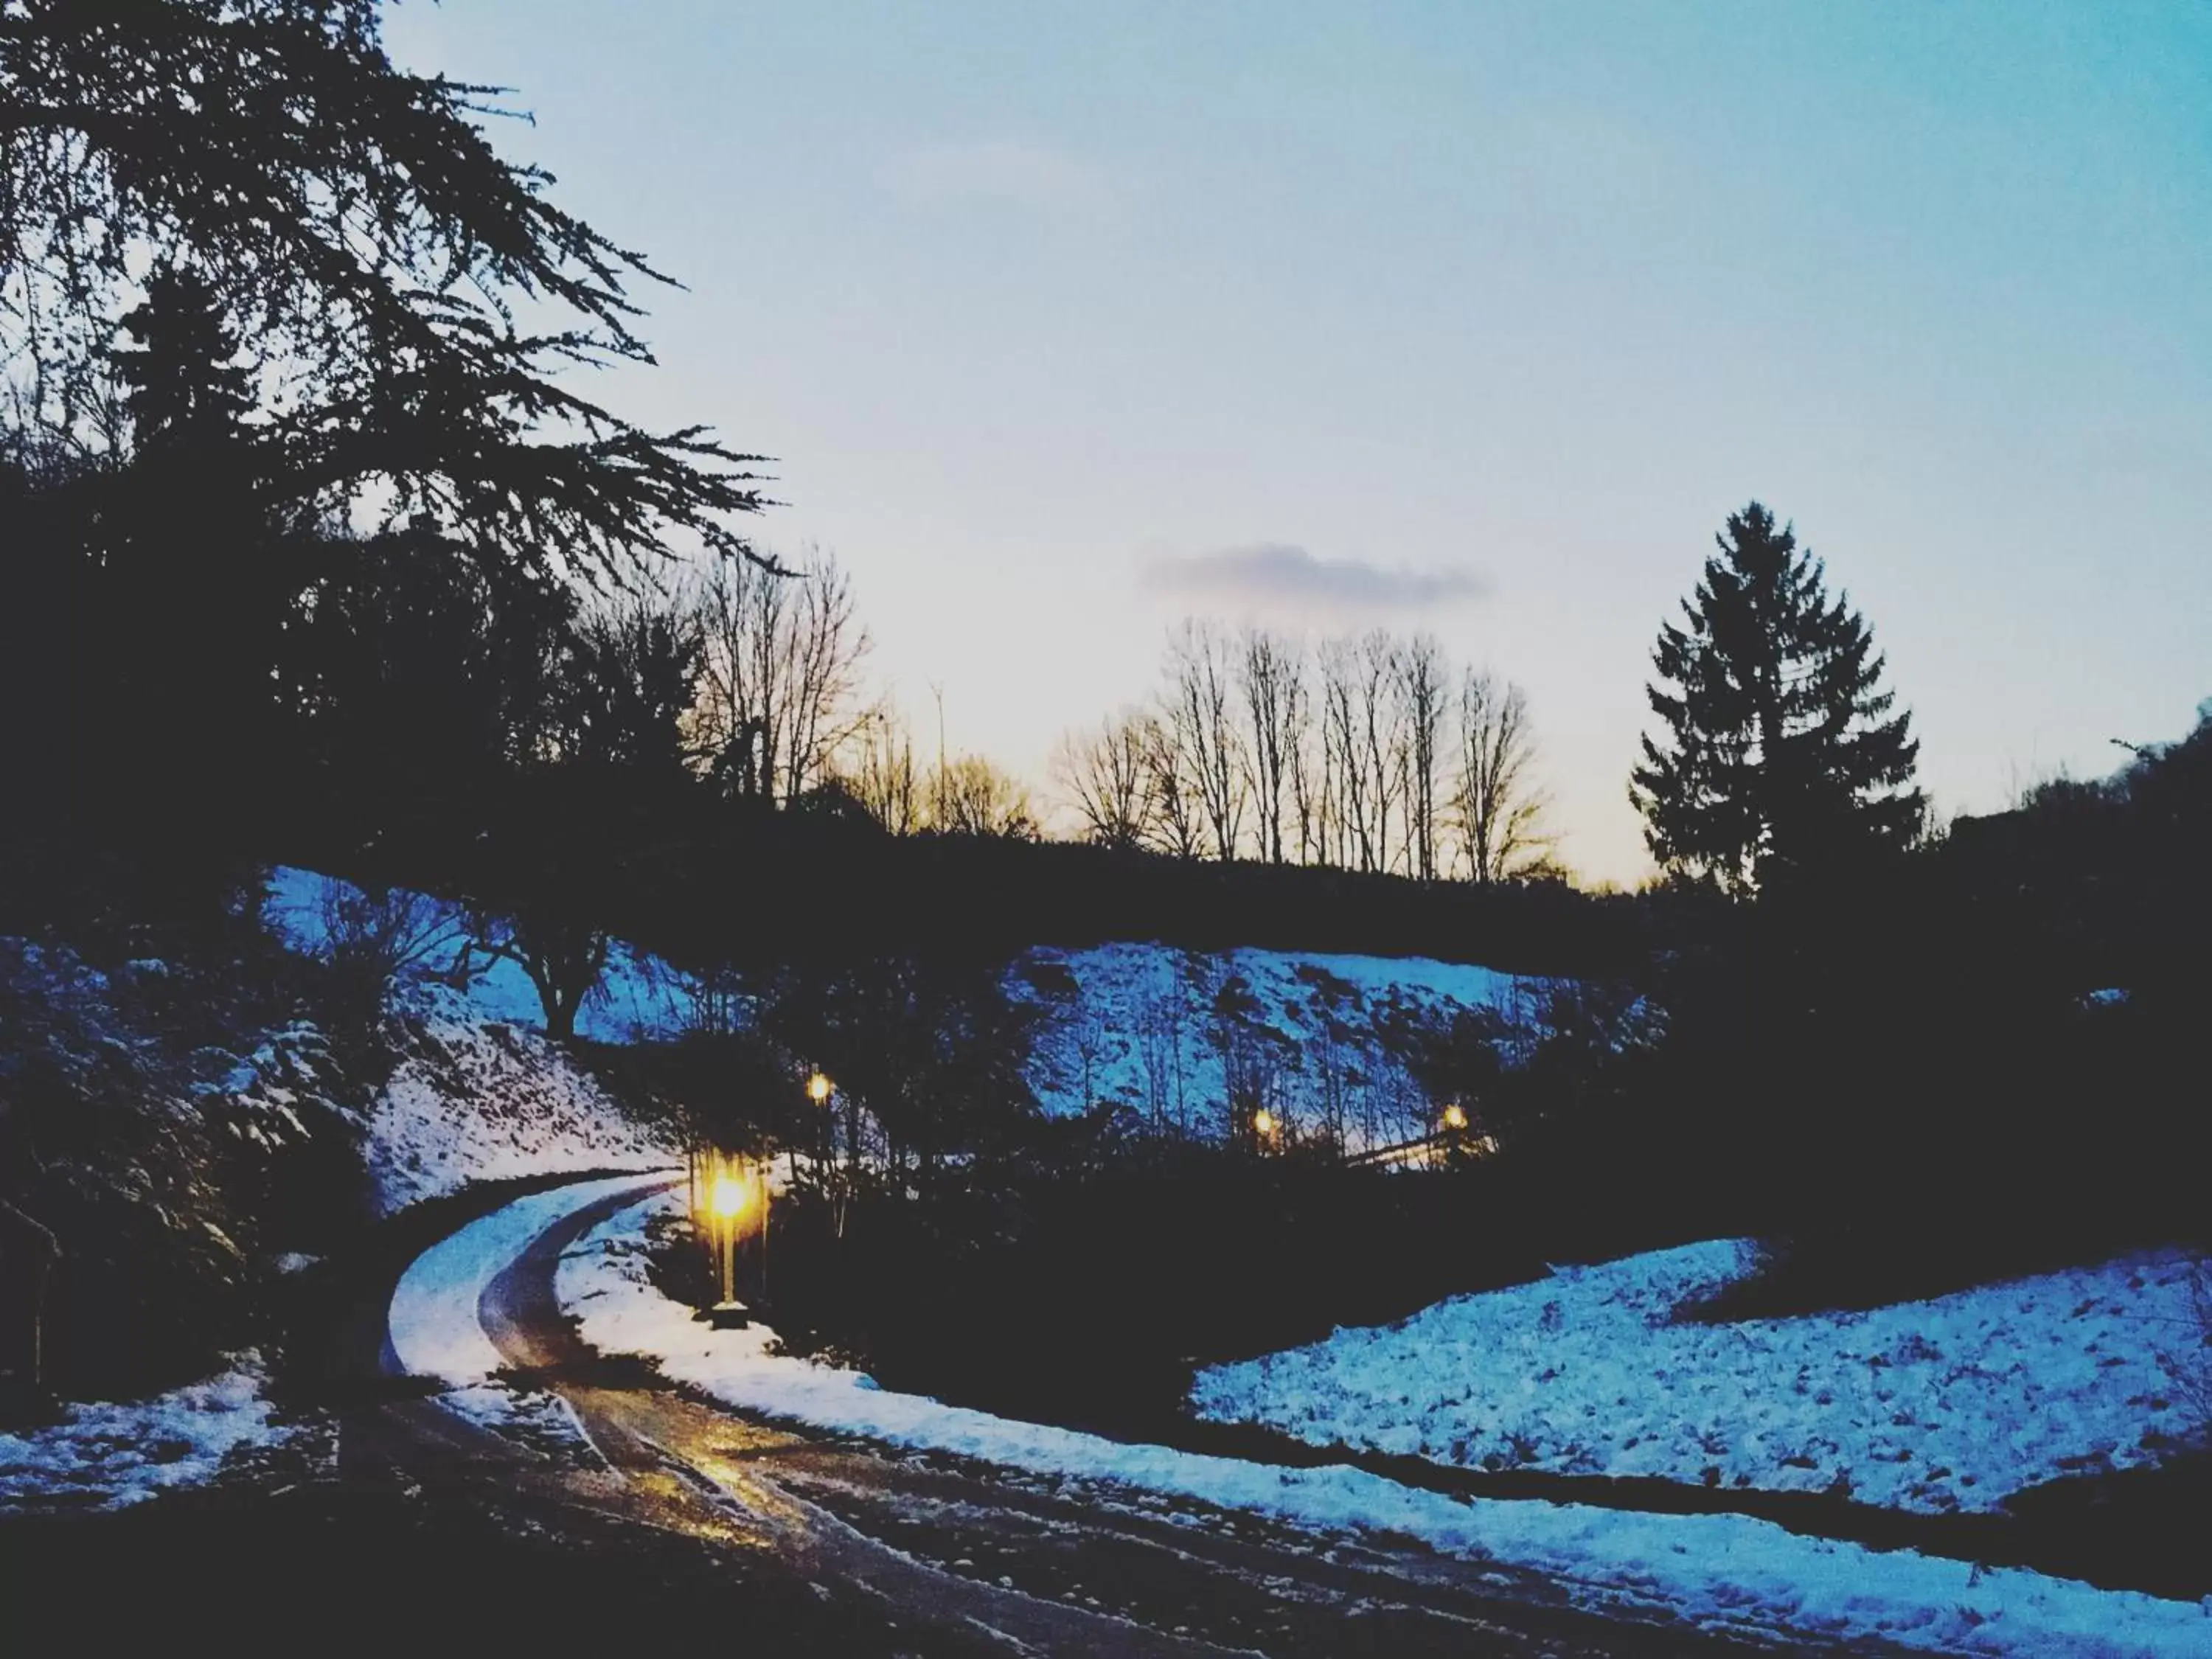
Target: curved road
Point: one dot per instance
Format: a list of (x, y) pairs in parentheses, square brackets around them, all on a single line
[(966, 1558)]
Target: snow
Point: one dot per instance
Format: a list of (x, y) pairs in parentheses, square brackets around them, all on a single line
[(108, 1455), (1156, 1030), (639, 997), (1722, 1572), (433, 1320), (1952, 1404), (478, 1099)]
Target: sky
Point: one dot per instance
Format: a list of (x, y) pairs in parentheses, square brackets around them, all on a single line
[(1061, 321)]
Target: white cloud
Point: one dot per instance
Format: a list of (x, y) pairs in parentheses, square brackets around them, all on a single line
[(1278, 579), (1008, 171)]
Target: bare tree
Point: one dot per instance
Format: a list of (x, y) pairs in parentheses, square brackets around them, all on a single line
[(1383, 735), (562, 958), (1106, 775), (1199, 678), (781, 693), (374, 935), (1348, 836), (975, 797), (1177, 826), (1307, 778), (1271, 676), (1424, 695), (878, 770), (1497, 811)]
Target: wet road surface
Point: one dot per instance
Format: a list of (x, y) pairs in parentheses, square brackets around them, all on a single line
[(964, 1557)]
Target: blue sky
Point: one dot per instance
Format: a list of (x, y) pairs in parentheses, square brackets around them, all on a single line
[(1043, 307)]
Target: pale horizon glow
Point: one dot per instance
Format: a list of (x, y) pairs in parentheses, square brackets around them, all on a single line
[(1063, 321)]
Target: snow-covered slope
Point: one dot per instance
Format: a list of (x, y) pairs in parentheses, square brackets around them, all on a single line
[(1171, 1034), (638, 996), (1944, 1405), (475, 1098)]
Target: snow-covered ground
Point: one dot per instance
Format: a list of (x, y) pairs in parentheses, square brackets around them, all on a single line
[(433, 1316), (1165, 1032), (1946, 1405), (107, 1455), (638, 996), (477, 1098), (1720, 1572)]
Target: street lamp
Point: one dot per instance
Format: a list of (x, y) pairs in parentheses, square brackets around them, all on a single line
[(730, 1197), (818, 1089), (1263, 1124), (1455, 1116)]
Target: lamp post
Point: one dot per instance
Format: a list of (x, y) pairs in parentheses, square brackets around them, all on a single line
[(1455, 1127), (730, 1198)]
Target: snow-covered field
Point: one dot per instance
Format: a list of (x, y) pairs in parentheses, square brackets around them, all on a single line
[(1719, 1571), (1165, 1032), (107, 1455), (1952, 1404)]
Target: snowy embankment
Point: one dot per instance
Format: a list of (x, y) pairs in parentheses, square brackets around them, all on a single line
[(1157, 1030), (478, 1093), (638, 996), (1720, 1572), (1953, 1404), (479, 1099), (107, 1455)]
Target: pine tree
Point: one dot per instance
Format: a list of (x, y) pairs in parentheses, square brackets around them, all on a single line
[(183, 385), (1780, 752)]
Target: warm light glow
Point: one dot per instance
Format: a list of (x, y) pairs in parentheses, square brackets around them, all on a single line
[(1455, 1116), (1263, 1120), (731, 1197), (817, 1088)]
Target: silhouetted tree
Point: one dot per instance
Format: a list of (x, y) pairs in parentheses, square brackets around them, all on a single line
[(1107, 776), (363, 242), (780, 694), (877, 771), (1271, 677), (973, 797), (630, 674), (1495, 807), (416, 680), (1201, 722), (1779, 750), (562, 954), (1423, 686)]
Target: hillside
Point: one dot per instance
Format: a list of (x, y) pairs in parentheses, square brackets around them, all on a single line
[(1173, 1034), (193, 1130)]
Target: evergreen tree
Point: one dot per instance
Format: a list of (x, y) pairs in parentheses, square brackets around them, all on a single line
[(357, 245), (183, 385), (1780, 751)]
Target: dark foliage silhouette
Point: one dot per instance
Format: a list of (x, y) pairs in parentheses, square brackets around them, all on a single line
[(1779, 750)]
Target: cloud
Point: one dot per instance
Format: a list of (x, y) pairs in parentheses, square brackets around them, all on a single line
[(1007, 171), (1277, 577)]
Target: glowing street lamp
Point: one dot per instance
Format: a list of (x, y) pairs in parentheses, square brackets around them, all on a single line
[(818, 1089), (1263, 1123), (727, 1199), (732, 1197), (1455, 1116)]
